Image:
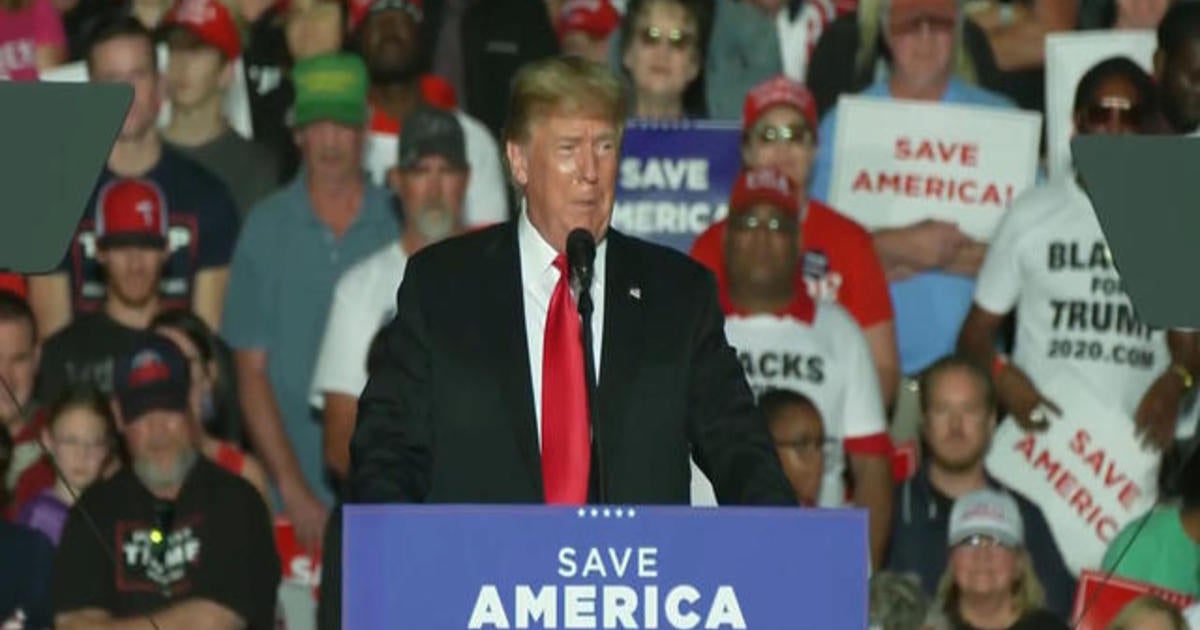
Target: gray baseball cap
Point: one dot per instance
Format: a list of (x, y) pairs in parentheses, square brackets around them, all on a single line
[(987, 513), (431, 131)]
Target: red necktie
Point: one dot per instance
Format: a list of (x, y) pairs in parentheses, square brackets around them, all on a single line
[(566, 443)]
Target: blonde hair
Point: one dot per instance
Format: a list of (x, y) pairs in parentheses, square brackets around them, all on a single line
[(563, 85), (873, 15), (1135, 609), (1027, 592)]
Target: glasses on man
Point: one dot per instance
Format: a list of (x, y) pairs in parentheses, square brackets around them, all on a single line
[(797, 134), (747, 221), (983, 541), (1115, 108), (676, 38)]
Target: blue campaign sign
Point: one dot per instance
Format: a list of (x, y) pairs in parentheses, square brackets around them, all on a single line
[(477, 567), (675, 179)]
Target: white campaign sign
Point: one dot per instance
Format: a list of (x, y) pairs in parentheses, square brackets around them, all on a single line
[(1088, 473), (899, 162), (1068, 57), (237, 99)]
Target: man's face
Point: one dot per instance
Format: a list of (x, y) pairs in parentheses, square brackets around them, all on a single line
[(782, 139), (331, 149), (161, 448), (958, 423), (314, 30), (799, 442), (431, 195), (1179, 75), (922, 51), (568, 170), (390, 46), (195, 75), (1116, 108), (762, 248), (133, 272), (18, 365), (130, 60)]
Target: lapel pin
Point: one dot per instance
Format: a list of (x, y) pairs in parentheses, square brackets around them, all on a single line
[(635, 293)]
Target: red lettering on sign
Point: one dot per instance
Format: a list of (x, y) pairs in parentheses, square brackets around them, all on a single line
[(919, 186), (1080, 441), (1130, 493), (1096, 460), (1066, 484), (1025, 446), (1044, 461), (1106, 529), (966, 154)]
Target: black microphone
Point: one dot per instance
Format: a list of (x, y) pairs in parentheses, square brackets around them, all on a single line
[(581, 254)]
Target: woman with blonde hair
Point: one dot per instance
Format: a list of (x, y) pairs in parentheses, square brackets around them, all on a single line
[(989, 583), (1148, 613)]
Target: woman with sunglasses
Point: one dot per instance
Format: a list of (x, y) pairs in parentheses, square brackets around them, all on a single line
[(989, 583), (662, 52)]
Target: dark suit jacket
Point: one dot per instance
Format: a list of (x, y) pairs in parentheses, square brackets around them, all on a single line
[(448, 416)]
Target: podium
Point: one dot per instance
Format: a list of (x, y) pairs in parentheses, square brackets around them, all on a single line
[(468, 567)]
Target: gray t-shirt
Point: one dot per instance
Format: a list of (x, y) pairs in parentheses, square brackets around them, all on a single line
[(249, 170)]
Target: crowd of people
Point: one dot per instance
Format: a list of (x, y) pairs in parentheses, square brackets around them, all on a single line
[(190, 374)]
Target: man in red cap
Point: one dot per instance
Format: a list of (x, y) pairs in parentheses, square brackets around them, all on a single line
[(585, 28), (779, 123), (786, 339), (205, 45), (131, 245)]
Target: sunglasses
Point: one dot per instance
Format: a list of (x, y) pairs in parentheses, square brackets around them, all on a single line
[(1125, 112), (677, 39), (798, 133), (746, 222), (937, 25)]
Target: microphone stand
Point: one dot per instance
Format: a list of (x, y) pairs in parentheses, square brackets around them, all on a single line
[(589, 366)]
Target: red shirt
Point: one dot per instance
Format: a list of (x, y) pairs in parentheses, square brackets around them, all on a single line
[(435, 91), (839, 258)]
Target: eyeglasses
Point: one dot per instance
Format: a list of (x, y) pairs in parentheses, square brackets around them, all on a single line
[(76, 444), (1121, 109), (982, 541), (797, 134), (745, 222), (677, 39), (937, 25)]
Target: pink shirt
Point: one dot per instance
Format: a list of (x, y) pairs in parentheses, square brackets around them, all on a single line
[(21, 33)]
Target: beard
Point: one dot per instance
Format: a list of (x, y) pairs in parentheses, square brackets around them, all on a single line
[(434, 223), (959, 463), (166, 477)]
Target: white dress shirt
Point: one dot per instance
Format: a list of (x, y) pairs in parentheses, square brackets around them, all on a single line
[(538, 279)]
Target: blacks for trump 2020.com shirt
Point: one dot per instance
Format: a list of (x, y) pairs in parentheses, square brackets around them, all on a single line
[(202, 228), (217, 545)]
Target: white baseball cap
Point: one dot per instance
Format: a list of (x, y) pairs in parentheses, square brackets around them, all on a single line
[(987, 513)]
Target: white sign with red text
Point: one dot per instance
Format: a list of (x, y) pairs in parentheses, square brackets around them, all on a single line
[(1068, 57), (897, 162), (1087, 472)]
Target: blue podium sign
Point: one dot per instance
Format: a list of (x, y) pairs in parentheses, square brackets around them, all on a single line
[(490, 567), (675, 179)]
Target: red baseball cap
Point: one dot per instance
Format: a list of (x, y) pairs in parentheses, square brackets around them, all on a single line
[(597, 18), (775, 92), (131, 212), (210, 22), (766, 185), (360, 9)]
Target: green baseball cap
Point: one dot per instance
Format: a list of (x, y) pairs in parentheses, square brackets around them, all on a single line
[(330, 87)]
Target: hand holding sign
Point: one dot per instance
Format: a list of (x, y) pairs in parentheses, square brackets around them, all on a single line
[(1158, 413), (1027, 405)]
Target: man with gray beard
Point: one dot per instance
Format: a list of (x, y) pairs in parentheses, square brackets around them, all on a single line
[(430, 181), (178, 539)]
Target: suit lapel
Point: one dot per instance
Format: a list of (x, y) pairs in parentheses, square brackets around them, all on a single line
[(506, 302), (623, 331)]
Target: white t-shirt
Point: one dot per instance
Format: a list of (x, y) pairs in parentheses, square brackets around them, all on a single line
[(487, 198), (826, 359), (1049, 260), (363, 301), (798, 38)]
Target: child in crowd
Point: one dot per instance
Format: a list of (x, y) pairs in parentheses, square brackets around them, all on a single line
[(799, 435)]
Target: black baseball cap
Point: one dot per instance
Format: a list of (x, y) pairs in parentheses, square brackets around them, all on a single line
[(153, 375), (432, 131)]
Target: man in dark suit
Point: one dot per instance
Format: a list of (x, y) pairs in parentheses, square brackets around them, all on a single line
[(458, 407)]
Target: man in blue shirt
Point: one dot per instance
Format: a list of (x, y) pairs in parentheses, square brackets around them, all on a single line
[(294, 247), (930, 265)]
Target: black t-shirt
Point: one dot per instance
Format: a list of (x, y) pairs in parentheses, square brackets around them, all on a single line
[(217, 546), (203, 228), (1033, 620), (26, 560), (267, 61), (83, 352)]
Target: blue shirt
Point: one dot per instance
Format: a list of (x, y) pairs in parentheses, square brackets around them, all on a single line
[(281, 282), (931, 306)]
